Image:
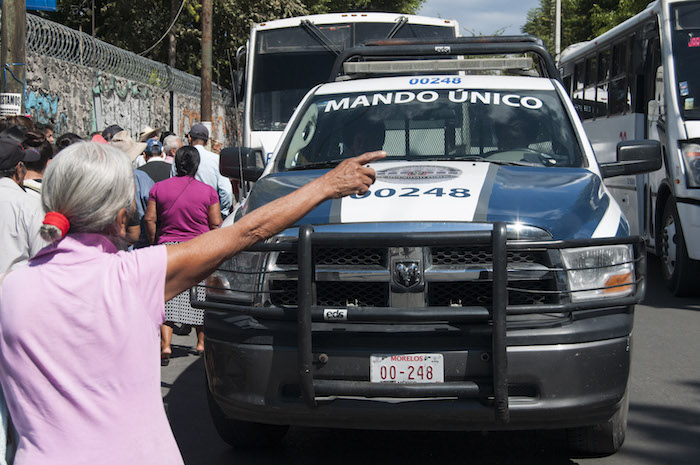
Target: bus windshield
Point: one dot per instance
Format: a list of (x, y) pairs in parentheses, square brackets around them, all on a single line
[(686, 56), (507, 127), (290, 61)]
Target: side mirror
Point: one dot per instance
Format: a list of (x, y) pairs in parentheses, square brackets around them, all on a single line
[(239, 84), (241, 162), (634, 157)]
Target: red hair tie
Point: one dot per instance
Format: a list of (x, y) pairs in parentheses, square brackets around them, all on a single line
[(58, 220)]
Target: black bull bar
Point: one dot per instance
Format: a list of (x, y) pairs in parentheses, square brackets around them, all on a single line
[(306, 313)]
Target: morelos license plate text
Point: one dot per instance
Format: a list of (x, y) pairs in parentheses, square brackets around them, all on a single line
[(408, 368)]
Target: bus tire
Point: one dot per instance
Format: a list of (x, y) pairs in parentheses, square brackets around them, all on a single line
[(602, 439), (679, 271), (244, 434)]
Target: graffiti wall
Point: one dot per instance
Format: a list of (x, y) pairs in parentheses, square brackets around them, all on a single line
[(186, 110), (82, 100)]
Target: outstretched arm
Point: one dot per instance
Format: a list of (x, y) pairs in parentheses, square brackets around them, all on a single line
[(192, 261)]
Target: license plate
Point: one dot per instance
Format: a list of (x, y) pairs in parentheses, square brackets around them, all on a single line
[(407, 368)]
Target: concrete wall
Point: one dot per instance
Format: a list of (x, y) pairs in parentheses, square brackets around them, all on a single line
[(82, 100)]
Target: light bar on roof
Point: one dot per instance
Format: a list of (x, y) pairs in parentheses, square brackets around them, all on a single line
[(462, 64)]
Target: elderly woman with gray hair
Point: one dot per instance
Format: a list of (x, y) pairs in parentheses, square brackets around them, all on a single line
[(79, 326)]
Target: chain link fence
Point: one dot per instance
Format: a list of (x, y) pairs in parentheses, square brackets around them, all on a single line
[(54, 40)]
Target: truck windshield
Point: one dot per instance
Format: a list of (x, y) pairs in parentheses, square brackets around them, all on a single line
[(686, 57), (307, 61), (500, 126)]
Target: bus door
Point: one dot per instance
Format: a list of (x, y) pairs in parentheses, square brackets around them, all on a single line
[(655, 123)]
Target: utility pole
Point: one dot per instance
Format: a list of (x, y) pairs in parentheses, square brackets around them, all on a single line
[(171, 35), (13, 56), (207, 11), (557, 33)]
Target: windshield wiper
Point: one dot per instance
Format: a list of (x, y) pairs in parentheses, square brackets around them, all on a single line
[(514, 163), (320, 37), (397, 27), (315, 165), (449, 158)]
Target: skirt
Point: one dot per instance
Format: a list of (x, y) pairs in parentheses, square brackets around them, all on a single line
[(179, 310)]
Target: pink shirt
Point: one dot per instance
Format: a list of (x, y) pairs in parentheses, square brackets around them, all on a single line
[(182, 206), (79, 355)]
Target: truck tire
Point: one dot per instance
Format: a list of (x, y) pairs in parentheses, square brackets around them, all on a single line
[(602, 439), (244, 434), (678, 270)]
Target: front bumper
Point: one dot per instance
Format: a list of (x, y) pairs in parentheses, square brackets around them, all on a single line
[(278, 365), (550, 386)]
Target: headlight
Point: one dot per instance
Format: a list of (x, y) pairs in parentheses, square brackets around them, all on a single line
[(236, 279), (691, 157), (599, 272)]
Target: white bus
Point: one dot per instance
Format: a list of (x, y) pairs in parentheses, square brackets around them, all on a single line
[(287, 57), (638, 81)]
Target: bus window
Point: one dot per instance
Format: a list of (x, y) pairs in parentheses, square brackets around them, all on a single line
[(365, 31), (619, 64), (602, 99), (591, 71), (567, 84), (604, 66), (578, 77), (620, 97), (686, 51)]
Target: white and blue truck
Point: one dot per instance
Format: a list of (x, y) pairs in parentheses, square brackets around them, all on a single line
[(487, 281)]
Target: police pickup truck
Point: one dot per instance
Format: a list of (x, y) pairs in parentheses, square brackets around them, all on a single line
[(487, 281)]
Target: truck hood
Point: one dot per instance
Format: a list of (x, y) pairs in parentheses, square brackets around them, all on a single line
[(569, 203)]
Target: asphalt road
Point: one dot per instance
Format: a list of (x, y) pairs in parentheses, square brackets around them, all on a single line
[(663, 423)]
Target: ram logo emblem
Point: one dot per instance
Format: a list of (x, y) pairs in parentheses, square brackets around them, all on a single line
[(407, 274)]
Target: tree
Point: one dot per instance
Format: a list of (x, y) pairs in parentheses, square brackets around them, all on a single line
[(136, 26), (581, 19)]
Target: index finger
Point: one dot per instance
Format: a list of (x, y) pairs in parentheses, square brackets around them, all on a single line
[(370, 157)]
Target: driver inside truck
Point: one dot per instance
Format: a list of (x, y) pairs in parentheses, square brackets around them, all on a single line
[(513, 132), (363, 135)]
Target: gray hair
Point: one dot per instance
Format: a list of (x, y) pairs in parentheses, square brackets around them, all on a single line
[(171, 142), (89, 183)]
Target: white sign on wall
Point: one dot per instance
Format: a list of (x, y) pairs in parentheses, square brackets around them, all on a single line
[(10, 104)]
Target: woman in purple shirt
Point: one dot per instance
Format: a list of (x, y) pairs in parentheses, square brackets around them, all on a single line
[(179, 209), (79, 326)]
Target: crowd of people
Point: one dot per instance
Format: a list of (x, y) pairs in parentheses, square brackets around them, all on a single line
[(153, 157), (101, 238)]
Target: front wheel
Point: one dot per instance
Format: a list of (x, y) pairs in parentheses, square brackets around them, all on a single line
[(678, 270), (244, 434)]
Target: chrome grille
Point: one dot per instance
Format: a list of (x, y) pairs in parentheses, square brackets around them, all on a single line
[(479, 293), (466, 255), (341, 257), (455, 276), (334, 294)]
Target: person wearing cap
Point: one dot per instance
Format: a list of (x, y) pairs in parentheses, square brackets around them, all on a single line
[(155, 165), (20, 213), (208, 171), (92, 394)]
